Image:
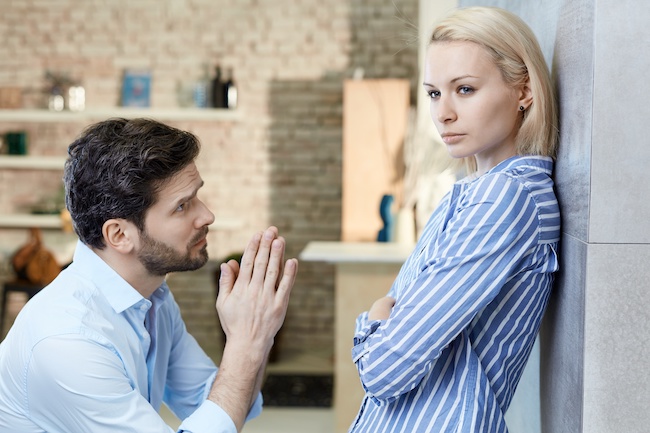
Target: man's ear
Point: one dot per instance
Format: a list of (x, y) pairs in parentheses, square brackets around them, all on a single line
[(120, 235)]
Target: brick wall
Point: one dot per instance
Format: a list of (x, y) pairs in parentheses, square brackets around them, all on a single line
[(280, 163)]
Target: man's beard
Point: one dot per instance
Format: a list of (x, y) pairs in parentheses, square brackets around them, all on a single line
[(159, 259)]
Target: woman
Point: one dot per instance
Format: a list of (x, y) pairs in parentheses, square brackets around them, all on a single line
[(444, 351)]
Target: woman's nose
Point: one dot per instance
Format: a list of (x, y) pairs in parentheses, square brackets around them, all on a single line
[(444, 110)]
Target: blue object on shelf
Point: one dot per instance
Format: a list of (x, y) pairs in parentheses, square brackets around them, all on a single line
[(387, 217), (136, 88)]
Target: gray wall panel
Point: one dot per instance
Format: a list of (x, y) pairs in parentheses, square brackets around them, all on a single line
[(617, 339), (621, 138), (562, 342)]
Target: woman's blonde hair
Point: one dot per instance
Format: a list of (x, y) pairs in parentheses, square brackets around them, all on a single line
[(515, 51)]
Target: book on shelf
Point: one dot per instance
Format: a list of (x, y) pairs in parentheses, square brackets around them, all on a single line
[(136, 88)]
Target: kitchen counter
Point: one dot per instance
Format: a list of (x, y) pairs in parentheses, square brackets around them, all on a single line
[(365, 272), (356, 252)]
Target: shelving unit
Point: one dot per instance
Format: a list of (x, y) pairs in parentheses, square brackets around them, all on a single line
[(33, 162), (27, 162), (25, 221), (36, 115)]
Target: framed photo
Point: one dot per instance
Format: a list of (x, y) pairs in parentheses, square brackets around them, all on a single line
[(136, 88)]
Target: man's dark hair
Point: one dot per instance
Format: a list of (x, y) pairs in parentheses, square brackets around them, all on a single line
[(116, 168)]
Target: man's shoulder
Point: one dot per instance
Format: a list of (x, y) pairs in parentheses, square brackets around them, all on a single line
[(68, 305)]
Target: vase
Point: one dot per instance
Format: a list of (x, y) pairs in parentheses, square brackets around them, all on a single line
[(386, 215)]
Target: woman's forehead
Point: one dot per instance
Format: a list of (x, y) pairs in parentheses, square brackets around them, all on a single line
[(448, 61)]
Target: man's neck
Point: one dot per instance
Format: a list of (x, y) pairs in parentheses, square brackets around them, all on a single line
[(133, 272)]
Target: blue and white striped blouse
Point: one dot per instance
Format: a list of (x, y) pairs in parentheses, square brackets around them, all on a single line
[(470, 299)]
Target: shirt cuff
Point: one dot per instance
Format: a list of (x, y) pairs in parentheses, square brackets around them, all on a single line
[(360, 347), (208, 418), (365, 330), (362, 319), (255, 410)]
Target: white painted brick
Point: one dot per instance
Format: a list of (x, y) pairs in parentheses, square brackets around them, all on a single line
[(280, 164)]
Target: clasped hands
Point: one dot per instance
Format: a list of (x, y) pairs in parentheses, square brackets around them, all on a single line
[(254, 296)]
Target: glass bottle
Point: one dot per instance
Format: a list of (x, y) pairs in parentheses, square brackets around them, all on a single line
[(230, 90)]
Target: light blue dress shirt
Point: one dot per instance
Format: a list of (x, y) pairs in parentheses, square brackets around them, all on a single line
[(469, 301), (90, 354)]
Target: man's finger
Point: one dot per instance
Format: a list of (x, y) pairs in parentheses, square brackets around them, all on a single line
[(262, 256), (274, 268), (286, 283), (248, 258)]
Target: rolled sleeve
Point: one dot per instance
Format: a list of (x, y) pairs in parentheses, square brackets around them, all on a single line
[(364, 331), (209, 412), (211, 418), (208, 418)]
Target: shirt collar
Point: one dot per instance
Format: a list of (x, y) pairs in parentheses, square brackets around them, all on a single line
[(119, 294), (535, 162)]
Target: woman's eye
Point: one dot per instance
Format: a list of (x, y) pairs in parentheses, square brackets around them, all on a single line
[(465, 90), (433, 93)]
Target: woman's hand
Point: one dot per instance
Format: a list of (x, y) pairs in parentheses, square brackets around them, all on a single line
[(381, 308)]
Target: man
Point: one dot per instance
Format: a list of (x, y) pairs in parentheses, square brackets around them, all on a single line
[(104, 345)]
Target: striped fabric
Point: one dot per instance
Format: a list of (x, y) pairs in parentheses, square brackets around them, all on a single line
[(470, 299)]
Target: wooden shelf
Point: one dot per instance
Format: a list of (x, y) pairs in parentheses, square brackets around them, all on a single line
[(18, 221), (22, 221), (32, 162), (203, 114)]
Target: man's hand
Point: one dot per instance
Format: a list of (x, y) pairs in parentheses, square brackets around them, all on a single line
[(252, 304), (253, 298), (381, 308)]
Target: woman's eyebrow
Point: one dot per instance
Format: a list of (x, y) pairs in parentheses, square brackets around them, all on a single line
[(462, 77), (453, 80)]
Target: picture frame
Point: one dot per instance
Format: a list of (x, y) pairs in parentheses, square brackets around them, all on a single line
[(136, 88)]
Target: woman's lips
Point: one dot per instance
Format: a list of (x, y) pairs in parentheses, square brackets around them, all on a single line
[(452, 137)]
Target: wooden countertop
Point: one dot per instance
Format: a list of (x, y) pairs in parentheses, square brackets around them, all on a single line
[(356, 252)]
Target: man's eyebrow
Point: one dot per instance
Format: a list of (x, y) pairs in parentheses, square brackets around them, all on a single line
[(192, 195)]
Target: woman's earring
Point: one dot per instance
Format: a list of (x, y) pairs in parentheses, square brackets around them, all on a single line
[(521, 108)]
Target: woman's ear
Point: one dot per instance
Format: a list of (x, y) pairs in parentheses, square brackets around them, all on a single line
[(119, 235), (525, 95)]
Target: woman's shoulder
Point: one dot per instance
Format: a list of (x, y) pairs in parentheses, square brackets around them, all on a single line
[(526, 168), (529, 171), (514, 179)]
